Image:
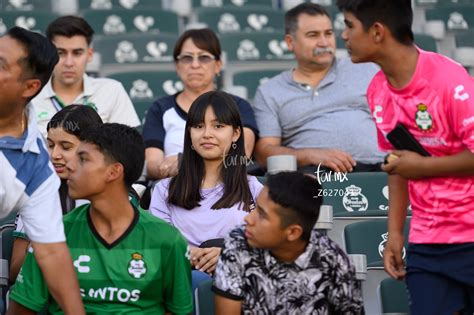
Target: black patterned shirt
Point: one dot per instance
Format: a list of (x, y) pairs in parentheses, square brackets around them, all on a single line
[(320, 281)]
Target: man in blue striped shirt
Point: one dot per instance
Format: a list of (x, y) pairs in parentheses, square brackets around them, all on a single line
[(28, 183)]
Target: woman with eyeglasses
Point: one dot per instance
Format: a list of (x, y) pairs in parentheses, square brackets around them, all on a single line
[(197, 56)]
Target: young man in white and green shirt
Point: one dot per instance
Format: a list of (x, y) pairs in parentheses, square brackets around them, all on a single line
[(126, 260)]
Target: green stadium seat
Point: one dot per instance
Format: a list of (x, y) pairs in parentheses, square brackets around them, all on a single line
[(141, 107), (369, 238), (149, 85), (464, 52), (452, 19), (356, 193), (118, 4), (440, 3), (255, 47), (252, 79), (426, 42), (232, 3), (237, 20), (32, 20), (135, 52), (25, 5), (393, 297), (121, 21), (204, 298)]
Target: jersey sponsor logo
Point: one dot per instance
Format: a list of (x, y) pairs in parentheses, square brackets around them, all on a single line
[(79, 264), (111, 294), (137, 266), (423, 118), (432, 141), (460, 96), (377, 110)]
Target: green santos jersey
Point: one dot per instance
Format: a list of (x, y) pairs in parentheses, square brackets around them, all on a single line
[(145, 271)]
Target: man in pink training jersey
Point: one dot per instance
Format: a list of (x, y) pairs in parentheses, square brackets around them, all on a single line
[(433, 97)]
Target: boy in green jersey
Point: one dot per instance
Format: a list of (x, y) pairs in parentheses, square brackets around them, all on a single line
[(127, 261)]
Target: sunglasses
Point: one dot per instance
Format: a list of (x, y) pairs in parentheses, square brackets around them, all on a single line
[(202, 59)]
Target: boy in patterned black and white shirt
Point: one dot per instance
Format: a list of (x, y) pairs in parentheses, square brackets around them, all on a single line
[(279, 264)]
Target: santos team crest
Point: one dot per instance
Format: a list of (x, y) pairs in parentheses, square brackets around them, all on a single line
[(136, 266), (423, 118)]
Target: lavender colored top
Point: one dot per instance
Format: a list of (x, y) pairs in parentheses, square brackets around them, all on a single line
[(201, 223)]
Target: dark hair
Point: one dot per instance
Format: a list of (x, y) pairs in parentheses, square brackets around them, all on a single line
[(41, 55), (297, 195), (119, 143), (70, 26), (203, 38), (397, 15), (291, 16), (74, 119), (185, 188)]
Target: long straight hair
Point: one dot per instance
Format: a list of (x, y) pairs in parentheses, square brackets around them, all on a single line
[(185, 188)]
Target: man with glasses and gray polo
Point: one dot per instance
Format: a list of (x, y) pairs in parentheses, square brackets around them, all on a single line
[(318, 111)]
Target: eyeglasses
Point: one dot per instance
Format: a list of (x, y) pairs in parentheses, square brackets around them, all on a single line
[(202, 59)]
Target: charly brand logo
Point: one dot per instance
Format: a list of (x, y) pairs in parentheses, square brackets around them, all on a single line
[(80, 264), (325, 176)]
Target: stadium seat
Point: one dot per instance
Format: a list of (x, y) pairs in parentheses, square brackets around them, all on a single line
[(255, 47), (440, 3), (464, 52), (369, 238), (252, 79), (204, 298), (118, 4), (135, 52), (32, 20), (25, 5), (426, 42), (121, 21), (452, 19), (232, 3), (393, 297), (141, 107), (254, 51), (149, 85), (238, 20)]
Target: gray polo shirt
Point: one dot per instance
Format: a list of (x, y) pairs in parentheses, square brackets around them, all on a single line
[(334, 115)]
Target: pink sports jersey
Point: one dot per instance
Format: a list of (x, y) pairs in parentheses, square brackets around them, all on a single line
[(437, 107)]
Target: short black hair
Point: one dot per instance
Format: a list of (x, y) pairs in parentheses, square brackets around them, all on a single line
[(397, 15), (69, 26), (74, 119), (297, 195), (119, 143), (41, 55), (291, 16)]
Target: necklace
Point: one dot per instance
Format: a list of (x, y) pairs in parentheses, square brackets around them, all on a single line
[(23, 123)]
